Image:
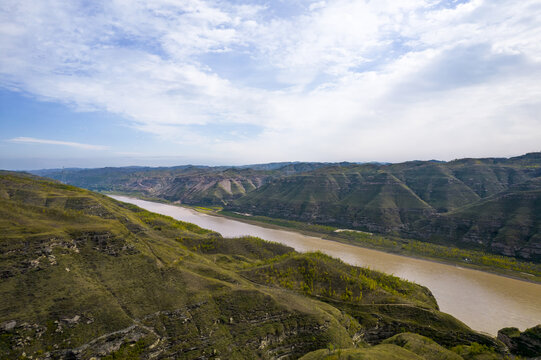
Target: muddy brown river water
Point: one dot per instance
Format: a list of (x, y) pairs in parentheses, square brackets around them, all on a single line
[(484, 301)]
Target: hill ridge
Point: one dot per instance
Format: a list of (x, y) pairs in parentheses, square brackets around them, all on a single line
[(417, 198)]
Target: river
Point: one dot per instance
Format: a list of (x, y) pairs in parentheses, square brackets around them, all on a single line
[(484, 301)]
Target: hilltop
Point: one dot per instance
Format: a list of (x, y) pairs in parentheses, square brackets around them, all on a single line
[(86, 276)]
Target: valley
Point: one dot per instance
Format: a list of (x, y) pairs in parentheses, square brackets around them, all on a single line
[(474, 259), (270, 180), (86, 276), (483, 301), (481, 207)]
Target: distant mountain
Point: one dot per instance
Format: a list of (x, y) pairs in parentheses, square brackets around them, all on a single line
[(269, 166), (474, 203), (186, 184), (477, 203), (85, 276)]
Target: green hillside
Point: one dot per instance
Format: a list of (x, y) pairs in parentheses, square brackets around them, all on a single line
[(357, 196), (472, 203), (508, 223), (406, 346), (185, 184), (486, 204), (436, 184), (86, 276)]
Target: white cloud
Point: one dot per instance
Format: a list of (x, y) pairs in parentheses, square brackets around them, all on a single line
[(29, 140), (355, 80)]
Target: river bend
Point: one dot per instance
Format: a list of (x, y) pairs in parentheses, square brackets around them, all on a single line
[(484, 301)]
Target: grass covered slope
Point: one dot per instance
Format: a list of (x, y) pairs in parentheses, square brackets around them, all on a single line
[(358, 196), (508, 223), (186, 184), (472, 258), (86, 276), (406, 346)]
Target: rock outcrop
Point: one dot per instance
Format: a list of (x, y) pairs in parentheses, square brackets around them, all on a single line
[(526, 343)]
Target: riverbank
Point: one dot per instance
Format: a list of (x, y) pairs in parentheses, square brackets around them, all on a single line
[(473, 259), (484, 301)]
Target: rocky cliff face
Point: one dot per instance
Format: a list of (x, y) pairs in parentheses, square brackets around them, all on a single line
[(527, 343)]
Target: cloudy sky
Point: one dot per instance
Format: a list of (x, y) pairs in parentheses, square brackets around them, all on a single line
[(164, 82)]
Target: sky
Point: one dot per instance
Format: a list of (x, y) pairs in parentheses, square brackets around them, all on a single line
[(126, 82)]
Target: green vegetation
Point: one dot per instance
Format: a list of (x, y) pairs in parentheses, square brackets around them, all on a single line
[(86, 276), (408, 346), (297, 225), (379, 352), (422, 346), (321, 276), (476, 351), (129, 351), (526, 343), (505, 265), (196, 185), (489, 205)]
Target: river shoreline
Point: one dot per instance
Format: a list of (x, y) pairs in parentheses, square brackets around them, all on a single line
[(511, 274), (484, 301)]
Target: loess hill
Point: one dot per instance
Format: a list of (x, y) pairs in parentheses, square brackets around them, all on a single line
[(491, 204), (189, 184), (85, 276)]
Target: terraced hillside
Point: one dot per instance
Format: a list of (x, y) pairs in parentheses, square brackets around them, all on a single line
[(85, 276)]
